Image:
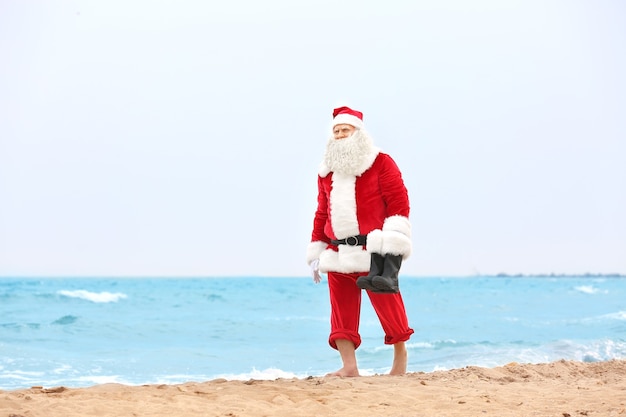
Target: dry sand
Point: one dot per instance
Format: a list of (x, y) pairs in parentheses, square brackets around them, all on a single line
[(562, 389)]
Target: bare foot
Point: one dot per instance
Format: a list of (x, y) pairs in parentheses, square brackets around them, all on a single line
[(345, 372), (400, 359), (348, 358)]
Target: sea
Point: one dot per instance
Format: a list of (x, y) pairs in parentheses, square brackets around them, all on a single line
[(79, 332)]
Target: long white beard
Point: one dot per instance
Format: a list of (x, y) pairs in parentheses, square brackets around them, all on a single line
[(352, 155)]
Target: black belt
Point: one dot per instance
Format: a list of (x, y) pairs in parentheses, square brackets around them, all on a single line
[(358, 240)]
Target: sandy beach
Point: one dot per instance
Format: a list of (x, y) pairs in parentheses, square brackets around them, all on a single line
[(563, 388)]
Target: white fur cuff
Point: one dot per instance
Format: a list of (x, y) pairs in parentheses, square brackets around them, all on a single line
[(375, 241), (399, 224), (389, 242), (314, 250), (395, 243)]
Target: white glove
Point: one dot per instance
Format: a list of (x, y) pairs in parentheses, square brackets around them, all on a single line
[(315, 270)]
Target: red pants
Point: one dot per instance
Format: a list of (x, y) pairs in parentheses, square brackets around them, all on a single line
[(345, 304)]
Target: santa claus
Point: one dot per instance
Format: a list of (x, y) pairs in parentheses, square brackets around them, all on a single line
[(361, 224)]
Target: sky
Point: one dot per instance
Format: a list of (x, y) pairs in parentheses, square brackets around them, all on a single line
[(183, 138)]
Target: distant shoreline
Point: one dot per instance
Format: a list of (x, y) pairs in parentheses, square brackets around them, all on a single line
[(243, 276), (553, 275)]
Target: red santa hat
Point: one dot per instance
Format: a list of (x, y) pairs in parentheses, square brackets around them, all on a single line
[(345, 115)]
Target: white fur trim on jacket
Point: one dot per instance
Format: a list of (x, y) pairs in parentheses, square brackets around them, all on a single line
[(347, 260), (394, 238), (314, 250), (343, 206)]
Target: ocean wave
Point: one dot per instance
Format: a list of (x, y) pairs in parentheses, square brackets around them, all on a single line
[(299, 318), (20, 326), (104, 379), (595, 351), (69, 319), (587, 351), (620, 315), (21, 375), (95, 297), (269, 374), (266, 374), (590, 289)]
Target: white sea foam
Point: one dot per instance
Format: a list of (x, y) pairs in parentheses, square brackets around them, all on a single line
[(589, 289), (21, 375), (421, 345), (95, 297), (275, 373), (266, 374), (103, 379), (62, 369), (620, 315)]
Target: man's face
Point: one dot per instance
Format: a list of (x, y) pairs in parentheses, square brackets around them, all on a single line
[(343, 131)]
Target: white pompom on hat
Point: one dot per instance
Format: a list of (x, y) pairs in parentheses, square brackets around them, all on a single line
[(345, 115)]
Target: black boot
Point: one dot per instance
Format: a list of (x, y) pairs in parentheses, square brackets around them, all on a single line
[(387, 282), (376, 268)]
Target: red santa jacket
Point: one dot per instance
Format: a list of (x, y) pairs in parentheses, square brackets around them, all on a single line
[(374, 203)]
